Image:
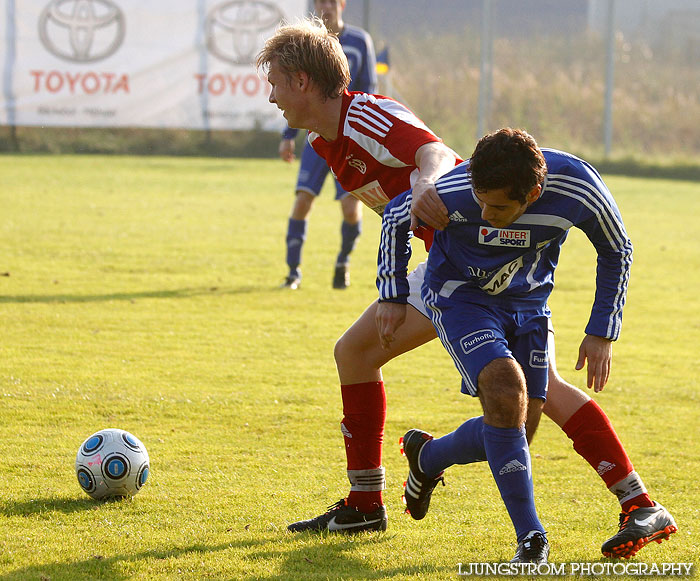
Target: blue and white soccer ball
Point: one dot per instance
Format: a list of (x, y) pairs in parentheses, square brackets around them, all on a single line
[(112, 463)]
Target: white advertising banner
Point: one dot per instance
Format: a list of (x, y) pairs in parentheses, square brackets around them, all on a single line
[(137, 63)]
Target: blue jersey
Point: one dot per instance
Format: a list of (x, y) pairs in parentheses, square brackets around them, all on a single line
[(359, 50), (514, 267)]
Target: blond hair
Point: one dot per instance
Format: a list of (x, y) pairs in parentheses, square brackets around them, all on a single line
[(308, 46)]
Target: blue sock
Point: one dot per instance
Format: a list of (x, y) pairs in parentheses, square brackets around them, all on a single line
[(296, 234), (463, 446), (349, 233), (509, 458)]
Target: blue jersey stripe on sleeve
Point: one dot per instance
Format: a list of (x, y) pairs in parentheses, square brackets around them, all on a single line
[(393, 260)]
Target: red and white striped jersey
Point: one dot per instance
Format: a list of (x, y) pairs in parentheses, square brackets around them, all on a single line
[(374, 155)]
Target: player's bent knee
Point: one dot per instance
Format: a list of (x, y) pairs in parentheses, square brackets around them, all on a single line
[(501, 373), (353, 352), (343, 349), (503, 393), (303, 203), (506, 397), (352, 211), (504, 407)]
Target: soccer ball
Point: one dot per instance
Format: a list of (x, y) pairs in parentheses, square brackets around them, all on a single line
[(112, 463)]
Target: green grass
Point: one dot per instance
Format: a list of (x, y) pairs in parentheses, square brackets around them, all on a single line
[(142, 294)]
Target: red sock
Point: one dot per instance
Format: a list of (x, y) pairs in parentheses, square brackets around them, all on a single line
[(595, 439), (364, 413)]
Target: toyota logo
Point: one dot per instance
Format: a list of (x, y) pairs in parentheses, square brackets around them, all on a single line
[(235, 30), (82, 31)]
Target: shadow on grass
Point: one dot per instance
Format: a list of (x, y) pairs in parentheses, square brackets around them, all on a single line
[(321, 560), (183, 293), (42, 506), (336, 560), (101, 567)]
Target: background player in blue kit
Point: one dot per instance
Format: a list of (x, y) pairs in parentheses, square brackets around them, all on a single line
[(359, 50), (488, 277)]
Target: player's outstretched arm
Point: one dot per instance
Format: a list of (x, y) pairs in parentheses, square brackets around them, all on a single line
[(598, 352), (433, 160)]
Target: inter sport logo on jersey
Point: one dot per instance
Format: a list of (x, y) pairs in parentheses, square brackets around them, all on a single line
[(498, 237)]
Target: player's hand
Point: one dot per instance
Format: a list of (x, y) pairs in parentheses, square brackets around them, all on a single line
[(598, 352), (428, 207), (389, 317), (287, 150)]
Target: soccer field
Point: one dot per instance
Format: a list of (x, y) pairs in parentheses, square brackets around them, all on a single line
[(142, 294)]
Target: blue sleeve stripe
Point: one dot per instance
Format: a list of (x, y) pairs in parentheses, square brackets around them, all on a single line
[(359, 55), (454, 181), (600, 204), (460, 188), (393, 262), (615, 320), (597, 201), (545, 220)]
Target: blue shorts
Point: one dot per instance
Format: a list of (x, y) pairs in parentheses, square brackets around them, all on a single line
[(312, 173), (474, 335)]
